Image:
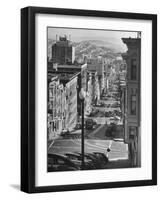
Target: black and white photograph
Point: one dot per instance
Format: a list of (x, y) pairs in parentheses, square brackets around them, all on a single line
[(93, 99), (89, 99)]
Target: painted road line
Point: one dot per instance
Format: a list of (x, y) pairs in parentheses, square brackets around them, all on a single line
[(51, 144)]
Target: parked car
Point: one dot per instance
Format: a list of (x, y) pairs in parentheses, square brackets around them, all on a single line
[(102, 157), (114, 120), (76, 158), (108, 105), (101, 104), (115, 105), (89, 124), (105, 98), (107, 114), (94, 159), (57, 162), (78, 126), (118, 113), (94, 112), (117, 118), (65, 132), (90, 159)]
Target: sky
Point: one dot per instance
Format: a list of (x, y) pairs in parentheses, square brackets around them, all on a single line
[(78, 35)]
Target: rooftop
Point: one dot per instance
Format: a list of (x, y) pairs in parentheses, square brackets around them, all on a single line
[(63, 77), (131, 41), (71, 66)]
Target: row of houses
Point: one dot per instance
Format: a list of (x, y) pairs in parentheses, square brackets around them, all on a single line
[(64, 105)]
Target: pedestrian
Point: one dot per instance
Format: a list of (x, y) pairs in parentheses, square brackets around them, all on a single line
[(107, 154)]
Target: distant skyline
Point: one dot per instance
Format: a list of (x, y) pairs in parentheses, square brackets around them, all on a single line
[(78, 35)]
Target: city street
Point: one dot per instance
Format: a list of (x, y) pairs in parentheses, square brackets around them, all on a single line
[(119, 150), (100, 117), (88, 100), (97, 139)]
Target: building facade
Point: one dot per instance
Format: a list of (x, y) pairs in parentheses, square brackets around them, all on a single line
[(99, 66), (132, 99), (82, 80), (71, 103), (95, 88), (56, 108), (62, 103), (63, 52)]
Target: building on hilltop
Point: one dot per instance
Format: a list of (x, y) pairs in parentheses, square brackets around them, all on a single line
[(63, 51)]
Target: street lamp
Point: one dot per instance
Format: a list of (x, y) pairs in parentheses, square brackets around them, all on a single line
[(82, 95)]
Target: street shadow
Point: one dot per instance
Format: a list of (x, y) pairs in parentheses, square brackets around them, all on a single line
[(15, 186)]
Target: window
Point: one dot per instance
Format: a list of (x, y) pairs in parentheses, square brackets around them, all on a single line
[(133, 69), (132, 132), (133, 104), (54, 126)]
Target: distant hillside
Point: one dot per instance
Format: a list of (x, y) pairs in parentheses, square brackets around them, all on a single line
[(94, 48)]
